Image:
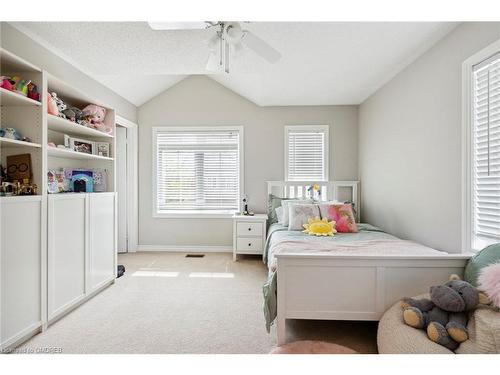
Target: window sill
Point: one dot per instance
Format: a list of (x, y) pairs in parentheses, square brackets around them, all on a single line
[(194, 215)]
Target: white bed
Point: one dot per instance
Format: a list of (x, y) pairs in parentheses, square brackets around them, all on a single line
[(329, 286)]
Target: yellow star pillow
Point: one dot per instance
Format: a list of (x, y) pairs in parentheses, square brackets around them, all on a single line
[(319, 227)]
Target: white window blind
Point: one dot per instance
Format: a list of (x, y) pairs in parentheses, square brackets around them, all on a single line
[(486, 152), (197, 170), (306, 153)]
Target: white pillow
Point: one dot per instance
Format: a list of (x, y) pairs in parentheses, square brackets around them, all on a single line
[(300, 214), (279, 214), (287, 203)]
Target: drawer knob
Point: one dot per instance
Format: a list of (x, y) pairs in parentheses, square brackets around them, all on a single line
[(249, 244), (249, 229)]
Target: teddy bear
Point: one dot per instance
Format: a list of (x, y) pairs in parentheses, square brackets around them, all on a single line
[(445, 315), (94, 116)]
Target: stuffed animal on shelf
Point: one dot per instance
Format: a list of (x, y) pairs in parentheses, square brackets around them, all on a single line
[(94, 115), (61, 106), (5, 83), (12, 133), (33, 92), (73, 114), (52, 105), (445, 315)]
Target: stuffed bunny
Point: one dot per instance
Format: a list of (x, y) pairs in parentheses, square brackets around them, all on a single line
[(445, 315)]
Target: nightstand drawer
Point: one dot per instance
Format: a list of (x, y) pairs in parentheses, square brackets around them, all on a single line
[(249, 228), (249, 245)]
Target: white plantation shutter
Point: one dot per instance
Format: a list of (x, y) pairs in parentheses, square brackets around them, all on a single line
[(197, 170), (486, 152), (306, 153)]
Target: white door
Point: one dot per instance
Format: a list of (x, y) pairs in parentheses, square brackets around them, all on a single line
[(67, 242), (102, 249), (121, 182), (20, 256)]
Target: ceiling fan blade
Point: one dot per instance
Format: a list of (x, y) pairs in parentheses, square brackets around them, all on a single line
[(260, 47), (178, 25)]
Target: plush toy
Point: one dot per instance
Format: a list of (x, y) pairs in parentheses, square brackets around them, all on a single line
[(445, 315), (52, 105), (5, 83), (94, 115), (319, 227), (61, 106), (73, 114)]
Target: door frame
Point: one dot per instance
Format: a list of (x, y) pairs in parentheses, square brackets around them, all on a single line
[(132, 186)]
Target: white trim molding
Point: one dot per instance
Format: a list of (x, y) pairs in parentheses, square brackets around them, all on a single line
[(133, 188), (186, 249), (467, 137)]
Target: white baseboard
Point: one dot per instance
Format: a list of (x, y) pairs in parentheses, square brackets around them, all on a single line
[(186, 249)]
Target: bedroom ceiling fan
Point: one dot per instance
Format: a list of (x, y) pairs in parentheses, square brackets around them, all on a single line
[(229, 36)]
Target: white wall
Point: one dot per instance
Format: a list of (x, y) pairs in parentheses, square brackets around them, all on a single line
[(197, 101), (410, 143), (18, 43)]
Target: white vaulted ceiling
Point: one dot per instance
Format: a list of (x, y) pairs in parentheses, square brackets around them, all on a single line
[(323, 63)]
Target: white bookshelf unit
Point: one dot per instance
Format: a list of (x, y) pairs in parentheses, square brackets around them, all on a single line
[(44, 235)]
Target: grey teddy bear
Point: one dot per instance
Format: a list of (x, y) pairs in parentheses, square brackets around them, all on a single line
[(445, 315)]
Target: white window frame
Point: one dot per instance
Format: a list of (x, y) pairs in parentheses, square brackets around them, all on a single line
[(467, 137), (196, 214), (312, 128)]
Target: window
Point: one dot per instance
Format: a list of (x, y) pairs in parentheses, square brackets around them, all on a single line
[(482, 224), (306, 153), (197, 170)]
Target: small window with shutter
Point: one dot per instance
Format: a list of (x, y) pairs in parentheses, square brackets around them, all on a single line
[(197, 170), (485, 149), (306, 153)]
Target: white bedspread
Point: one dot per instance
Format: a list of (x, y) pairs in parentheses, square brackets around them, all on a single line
[(389, 247)]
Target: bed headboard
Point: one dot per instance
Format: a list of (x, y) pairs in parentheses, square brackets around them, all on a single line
[(342, 191)]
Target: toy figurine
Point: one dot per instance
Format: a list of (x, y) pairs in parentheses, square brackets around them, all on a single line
[(5, 83), (33, 92), (11, 133), (22, 87)]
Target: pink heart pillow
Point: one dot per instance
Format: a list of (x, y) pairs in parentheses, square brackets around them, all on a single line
[(342, 215)]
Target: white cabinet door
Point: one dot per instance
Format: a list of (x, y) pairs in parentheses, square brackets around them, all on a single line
[(20, 261), (67, 241), (102, 236)]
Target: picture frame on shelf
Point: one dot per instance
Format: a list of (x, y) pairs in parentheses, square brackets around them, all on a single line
[(80, 145), (102, 149)]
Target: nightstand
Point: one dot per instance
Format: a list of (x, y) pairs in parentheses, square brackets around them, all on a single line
[(249, 234)]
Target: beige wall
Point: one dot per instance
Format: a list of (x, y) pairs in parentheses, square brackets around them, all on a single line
[(26, 48), (198, 101), (410, 143)]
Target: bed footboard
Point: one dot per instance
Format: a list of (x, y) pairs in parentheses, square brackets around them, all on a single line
[(354, 287)]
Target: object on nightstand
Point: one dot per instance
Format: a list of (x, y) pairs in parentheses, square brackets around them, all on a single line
[(245, 207)]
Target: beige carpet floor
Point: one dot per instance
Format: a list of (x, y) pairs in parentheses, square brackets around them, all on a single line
[(167, 303)]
